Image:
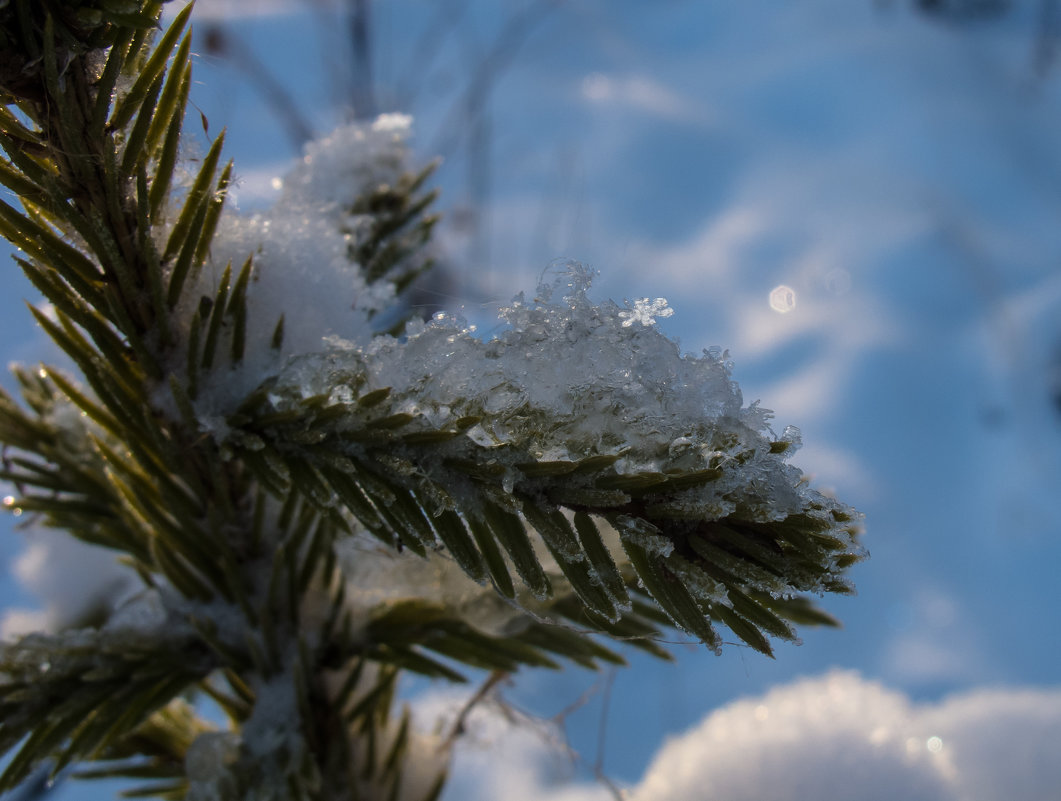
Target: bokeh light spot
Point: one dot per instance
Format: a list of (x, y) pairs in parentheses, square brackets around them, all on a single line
[(782, 298)]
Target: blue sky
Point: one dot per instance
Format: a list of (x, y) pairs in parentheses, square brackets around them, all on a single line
[(897, 175)]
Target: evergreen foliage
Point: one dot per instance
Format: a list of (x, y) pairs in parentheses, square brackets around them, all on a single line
[(552, 529)]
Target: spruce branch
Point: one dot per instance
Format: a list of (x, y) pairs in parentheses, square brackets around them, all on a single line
[(700, 503), (571, 481), (74, 695)]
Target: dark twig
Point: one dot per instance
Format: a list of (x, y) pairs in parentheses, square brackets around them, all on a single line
[(359, 26), (481, 694)]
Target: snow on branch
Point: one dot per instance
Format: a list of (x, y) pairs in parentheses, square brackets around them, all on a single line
[(569, 421)]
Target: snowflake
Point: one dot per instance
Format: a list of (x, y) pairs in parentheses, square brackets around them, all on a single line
[(645, 311)]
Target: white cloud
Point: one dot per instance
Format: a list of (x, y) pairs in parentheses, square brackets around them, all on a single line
[(923, 656), (1004, 743), (715, 254), (811, 391), (222, 10), (71, 578), (934, 640), (835, 736), (831, 737), (502, 755), (644, 94), (836, 470)]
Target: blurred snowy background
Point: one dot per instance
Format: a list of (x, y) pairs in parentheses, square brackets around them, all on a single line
[(860, 200)]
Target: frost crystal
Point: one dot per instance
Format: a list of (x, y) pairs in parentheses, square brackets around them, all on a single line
[(645, 312)]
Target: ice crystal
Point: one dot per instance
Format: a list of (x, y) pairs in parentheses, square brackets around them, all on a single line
[(645, 311)]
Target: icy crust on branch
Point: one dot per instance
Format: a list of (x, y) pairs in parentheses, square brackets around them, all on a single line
[(82, 682), (377, 577), (576, 413), (302, 249), (570, 380)]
